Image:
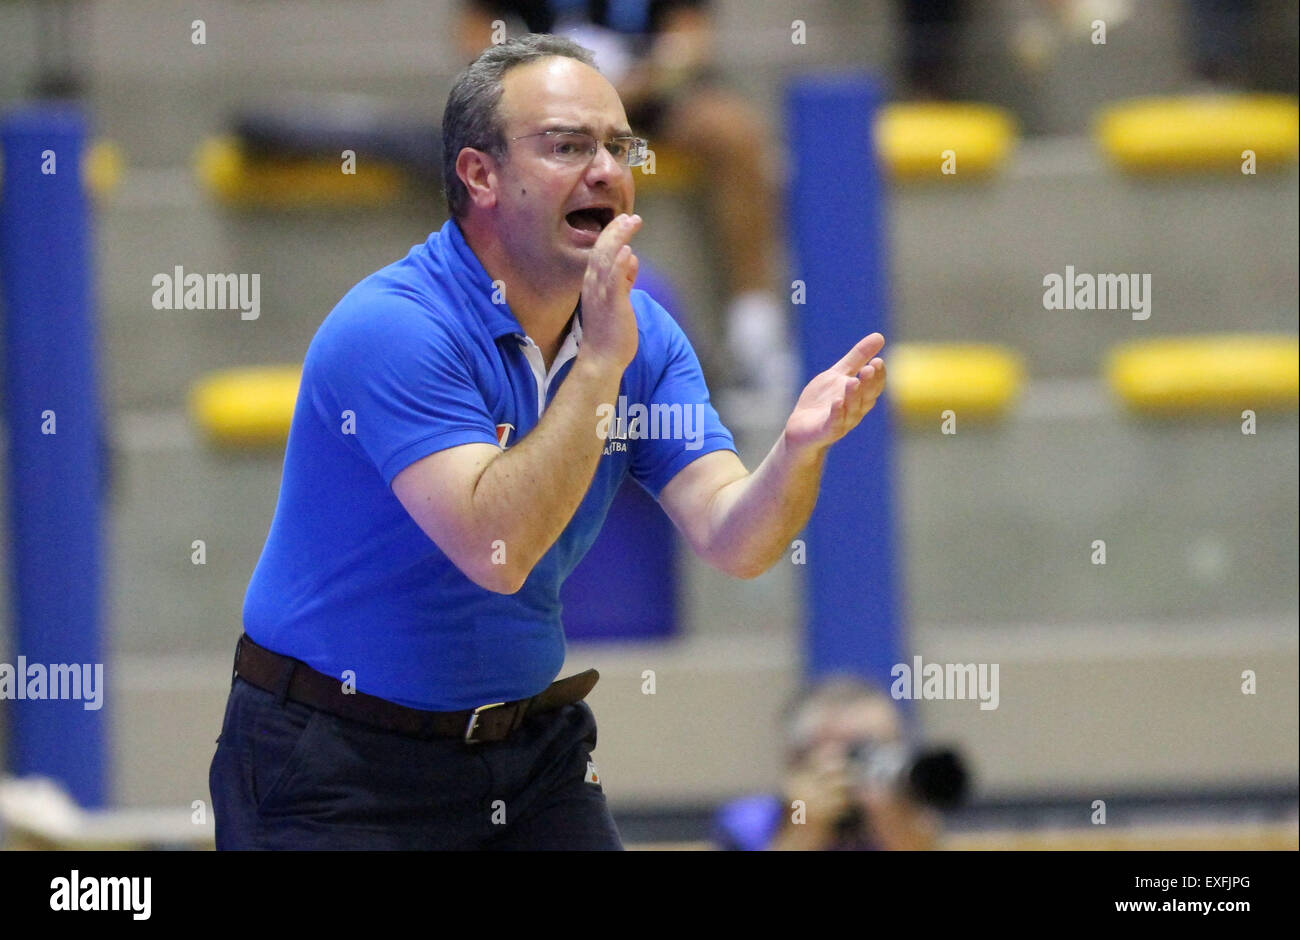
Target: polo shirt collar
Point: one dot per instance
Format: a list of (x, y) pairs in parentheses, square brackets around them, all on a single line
[(478, 288), (478, 285)]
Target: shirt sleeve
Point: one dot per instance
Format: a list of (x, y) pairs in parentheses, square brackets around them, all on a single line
[(394, 370), (684, 425)]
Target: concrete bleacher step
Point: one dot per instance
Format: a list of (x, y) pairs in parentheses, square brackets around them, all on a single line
[(999, 522), (968, 264)]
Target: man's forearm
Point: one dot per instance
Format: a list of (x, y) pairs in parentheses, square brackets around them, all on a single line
[(527, 495), (753, 519)]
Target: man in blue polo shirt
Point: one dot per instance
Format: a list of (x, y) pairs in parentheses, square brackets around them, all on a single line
[(465, 417)]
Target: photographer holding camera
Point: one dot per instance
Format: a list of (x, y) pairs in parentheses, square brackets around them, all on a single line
[(852, 783)]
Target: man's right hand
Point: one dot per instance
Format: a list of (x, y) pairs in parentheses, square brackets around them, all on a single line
[(608, 321), (823, 785), (474, 496)]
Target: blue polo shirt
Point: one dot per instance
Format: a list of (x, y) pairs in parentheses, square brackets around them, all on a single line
[(414, 359)]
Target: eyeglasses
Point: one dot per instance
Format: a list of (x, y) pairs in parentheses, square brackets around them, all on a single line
[(576, 147)]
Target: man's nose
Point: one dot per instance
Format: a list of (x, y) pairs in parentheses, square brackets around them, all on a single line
[(603, 165)]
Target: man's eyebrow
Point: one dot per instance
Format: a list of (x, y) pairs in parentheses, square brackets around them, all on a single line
[(589, 130)]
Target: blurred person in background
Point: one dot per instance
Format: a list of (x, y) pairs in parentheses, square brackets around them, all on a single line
[(1223, 38), (854, 777), (658, 55), (932, 35)]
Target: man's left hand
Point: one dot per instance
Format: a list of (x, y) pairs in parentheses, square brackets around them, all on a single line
[(833, 403)]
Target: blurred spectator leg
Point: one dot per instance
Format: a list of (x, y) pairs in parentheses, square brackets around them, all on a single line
[(735, 147), (1220, 40), (931, 30)]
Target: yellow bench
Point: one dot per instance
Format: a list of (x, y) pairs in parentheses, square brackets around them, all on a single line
[(976, 381), (1197, 133), (915, 141), (251, 407), (237, 179), (1214, 374)]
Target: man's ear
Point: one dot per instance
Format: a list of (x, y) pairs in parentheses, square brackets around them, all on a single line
[(478, 171)]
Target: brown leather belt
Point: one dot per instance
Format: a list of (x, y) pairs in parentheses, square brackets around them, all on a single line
[(291, 679)]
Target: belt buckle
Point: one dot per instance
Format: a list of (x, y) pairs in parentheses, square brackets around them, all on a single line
[(473, 721)]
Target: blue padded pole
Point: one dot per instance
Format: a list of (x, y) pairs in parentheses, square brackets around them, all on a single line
[(55, 479), (837, 224)]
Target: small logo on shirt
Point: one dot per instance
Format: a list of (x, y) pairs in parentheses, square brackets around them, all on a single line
[(592, 776), (503, 434)]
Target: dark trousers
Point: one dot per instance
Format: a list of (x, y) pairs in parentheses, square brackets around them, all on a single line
[(287, 776)]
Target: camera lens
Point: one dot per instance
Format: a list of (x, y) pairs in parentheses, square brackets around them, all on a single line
[(938, 778)]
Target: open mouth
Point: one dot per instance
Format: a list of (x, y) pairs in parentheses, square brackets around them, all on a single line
[(591, 220)]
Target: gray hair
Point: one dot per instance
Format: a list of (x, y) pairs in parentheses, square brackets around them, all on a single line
[(472, 117), (802, 713)]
